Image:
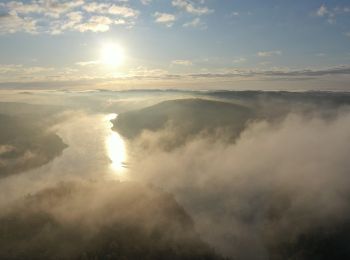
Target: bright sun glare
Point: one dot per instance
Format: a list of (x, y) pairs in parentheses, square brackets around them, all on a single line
[(112, 55), (115, 147)]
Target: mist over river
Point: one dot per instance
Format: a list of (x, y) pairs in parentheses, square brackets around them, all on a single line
[(245, 197), (94, 152)]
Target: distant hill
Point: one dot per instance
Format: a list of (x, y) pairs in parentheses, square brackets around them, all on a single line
[(100, 220), (17, 108), (25, 142), (315, 97), (186, 116), (271, 105)]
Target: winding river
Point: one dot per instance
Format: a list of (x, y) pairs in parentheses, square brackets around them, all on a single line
[(94, 152)]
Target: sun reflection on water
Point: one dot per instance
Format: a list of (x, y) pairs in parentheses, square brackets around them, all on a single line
[(115, 147)]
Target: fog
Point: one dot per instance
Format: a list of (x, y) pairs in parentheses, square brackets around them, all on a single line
[(279, 189), (275, 183), (85, 158)]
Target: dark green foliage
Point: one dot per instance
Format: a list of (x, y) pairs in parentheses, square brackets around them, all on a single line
[(327, 243), (185, 116)]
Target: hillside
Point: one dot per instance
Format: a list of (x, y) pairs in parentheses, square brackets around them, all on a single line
[(186, 116), (25, 141), (100, 220)]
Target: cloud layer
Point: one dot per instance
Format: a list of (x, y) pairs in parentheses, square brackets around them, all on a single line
[(56, 17)]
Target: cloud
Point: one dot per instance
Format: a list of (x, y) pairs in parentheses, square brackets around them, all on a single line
[(95, 24), (74, 18), (239, 60), (330, 14), (21, 70), (25, 74), (106, 8), (269, 53), (146, 2), (52, 8), (87, 63), (144, 72), (182, 62), (322, 11), (12, 23), (95, 7), (195, 23), (191, 8), (6, 68), (88, 74), (311, 72), (165, 18), (123, 11), (56, 17)]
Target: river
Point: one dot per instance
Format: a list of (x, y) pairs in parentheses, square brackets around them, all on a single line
[(94, 152)]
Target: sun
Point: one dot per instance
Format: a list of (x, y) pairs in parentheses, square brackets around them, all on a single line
[(112, 55)]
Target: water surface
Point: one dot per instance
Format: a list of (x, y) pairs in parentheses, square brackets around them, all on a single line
[(94, 152)]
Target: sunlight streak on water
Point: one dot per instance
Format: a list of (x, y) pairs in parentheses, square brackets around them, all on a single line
[(115, 147)]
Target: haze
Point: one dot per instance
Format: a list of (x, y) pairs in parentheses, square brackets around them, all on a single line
[(177, 129)]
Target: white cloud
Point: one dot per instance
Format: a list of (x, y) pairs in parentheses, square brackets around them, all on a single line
[(330, 14), (123, 11), (165, 18), (189, 7), (182, 62), (74, 19), (22, 8), (12, 23), (239, 60), (105, 8), (6, 68), (57, 16), (87, 63), (146, 2), (75, 16), (52, 8), (144, 72), (16, 72), (95, 24), (88, 73), (195, 23), (322, 11), (120, 22), (269, 53), (96, 7)]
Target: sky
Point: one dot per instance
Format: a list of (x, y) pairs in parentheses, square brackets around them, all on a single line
[(188, 44)]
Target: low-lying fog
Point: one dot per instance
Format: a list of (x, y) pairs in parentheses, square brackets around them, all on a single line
[(277, 182), (280, 190)]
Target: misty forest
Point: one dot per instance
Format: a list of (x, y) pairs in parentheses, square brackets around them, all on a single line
[(174, 130)]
